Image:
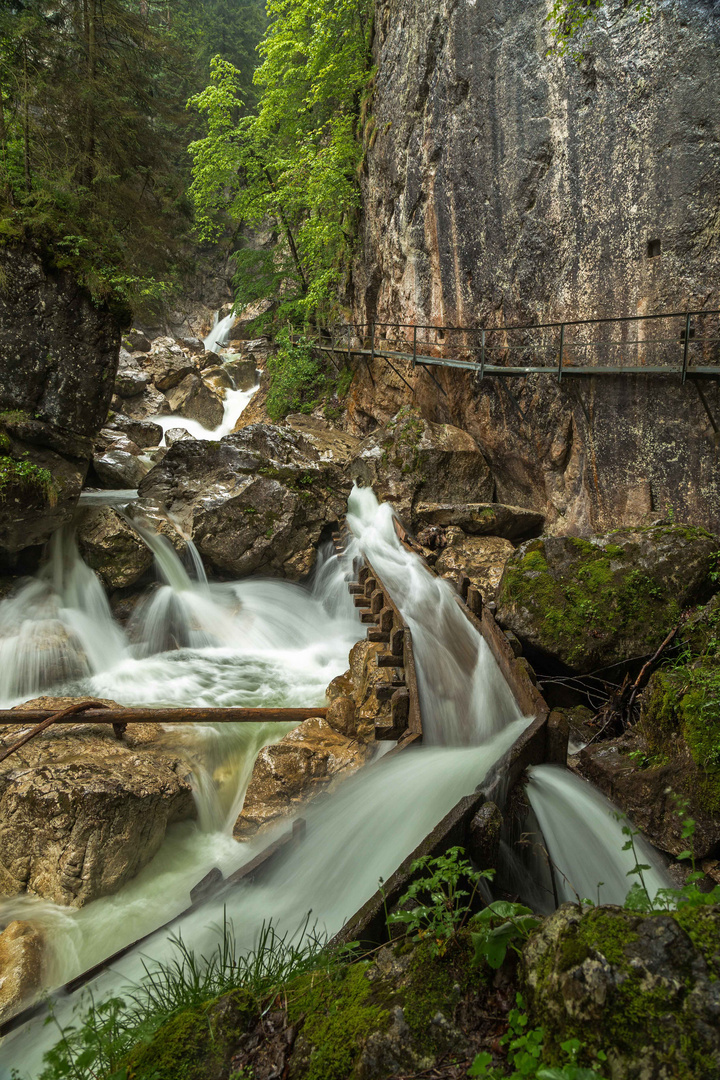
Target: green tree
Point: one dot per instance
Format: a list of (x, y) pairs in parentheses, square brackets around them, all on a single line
[(292, 164), (94, 130)]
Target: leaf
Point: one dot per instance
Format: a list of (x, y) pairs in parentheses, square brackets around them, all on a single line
[(481, 1064)]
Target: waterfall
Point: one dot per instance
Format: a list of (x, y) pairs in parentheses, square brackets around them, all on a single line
[(585, 839), (220, 332), (56, 628)]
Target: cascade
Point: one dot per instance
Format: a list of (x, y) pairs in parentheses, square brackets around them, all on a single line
[(220, 332), (585, 840), (374, 819)]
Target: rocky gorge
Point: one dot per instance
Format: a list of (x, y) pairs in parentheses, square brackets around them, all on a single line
[(494, 850)]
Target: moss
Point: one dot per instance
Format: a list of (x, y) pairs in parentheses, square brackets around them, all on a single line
[(436, 984), (635, 1017), (596, 601), (14, 416), (190, 1043), (22, 477), (341, 1012)]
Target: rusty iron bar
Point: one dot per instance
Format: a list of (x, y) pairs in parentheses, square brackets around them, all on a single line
[(96, 714), (65, 716)]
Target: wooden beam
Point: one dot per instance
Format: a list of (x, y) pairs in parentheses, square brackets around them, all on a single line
[(138, 715)]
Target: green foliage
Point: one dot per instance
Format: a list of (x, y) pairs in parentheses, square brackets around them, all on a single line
[(293, 164), (523, 1045), (17, 477), (498, 926), (93, 130), (299, 381), (569, 19), (683, 700), (107, 1033), (441, 906)]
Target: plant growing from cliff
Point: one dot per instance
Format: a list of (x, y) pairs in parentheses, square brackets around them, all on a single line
[(23, 476), (292, 165), (569, 19), (499, 926), (441, 903)]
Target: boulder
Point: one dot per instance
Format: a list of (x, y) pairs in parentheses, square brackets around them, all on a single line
[(359, 685), (195, 400), (641, 988), (255, 502), (176, 434), (415, 461), (39, 489), (142, 432), (482, 558), (118, 469), (21, 966), (129, 382), (81, 813), (295, 770), (482, 519), (150, 403), (242, 372), (193, 345), (136, 341), (588, 604), (112, 548), (167, 364), (218, 378)]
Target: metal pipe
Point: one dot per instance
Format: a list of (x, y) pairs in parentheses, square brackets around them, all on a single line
[(97, 715)]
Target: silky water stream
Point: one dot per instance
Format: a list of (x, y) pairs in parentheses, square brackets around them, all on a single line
[(360, 834)]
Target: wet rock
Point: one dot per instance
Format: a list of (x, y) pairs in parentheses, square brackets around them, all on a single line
[(58, 357), (359, 684), (112, 548), (81, 813), (642, 988), (218, 378), (596, 602), (21, 966), (242, 372), (257, 501), (415, 461), (136, 341), (295, 770), (142, 432), (119, 469), (193, 345), (130, 382), (195, 400), (176, 434), (329, 443), (482, 558), (483, 519), (150, 403), (167, 364)]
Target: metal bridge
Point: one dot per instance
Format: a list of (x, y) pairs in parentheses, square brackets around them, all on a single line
[(683, 343)]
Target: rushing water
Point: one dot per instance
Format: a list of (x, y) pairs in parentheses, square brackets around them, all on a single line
[(220, 332), (585, 840), (372, 821)]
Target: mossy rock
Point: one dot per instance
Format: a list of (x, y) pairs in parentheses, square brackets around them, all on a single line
[(641, 988), (196, 1043), (590, 604)]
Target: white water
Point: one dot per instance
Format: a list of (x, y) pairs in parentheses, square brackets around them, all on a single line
[(220, 332), (585, 840), (369, 825), (234, 404), (374, 820)]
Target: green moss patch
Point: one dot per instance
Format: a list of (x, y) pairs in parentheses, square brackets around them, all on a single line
[(23, 478), (341, 1011)]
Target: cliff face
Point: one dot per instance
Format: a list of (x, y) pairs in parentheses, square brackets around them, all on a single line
[(58, 358), (507, 187)]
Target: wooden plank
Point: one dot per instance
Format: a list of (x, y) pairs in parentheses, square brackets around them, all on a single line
[(28, 717)]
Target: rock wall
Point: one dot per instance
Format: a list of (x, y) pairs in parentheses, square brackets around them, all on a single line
[(506, 187), (58, 357)]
